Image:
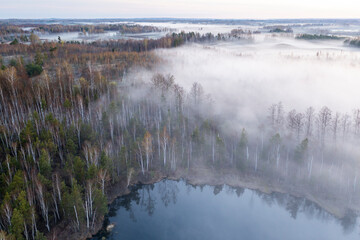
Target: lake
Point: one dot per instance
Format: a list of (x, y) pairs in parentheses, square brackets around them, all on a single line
[(177, 210)]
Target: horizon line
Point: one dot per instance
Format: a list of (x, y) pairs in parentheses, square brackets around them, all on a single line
[(179, 18)]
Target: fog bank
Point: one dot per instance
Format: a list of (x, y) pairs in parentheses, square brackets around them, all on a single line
[(245, 79)]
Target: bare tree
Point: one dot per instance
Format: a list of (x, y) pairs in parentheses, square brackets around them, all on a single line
[(276, 117), (356, 122), (345, 126), (309, 121), (103, 177), (147, 146), (196, 93), (335, 125), (43, 205), (164, 139), (324, 121)]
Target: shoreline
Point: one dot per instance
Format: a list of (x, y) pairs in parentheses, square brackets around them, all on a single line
[(196, 177)]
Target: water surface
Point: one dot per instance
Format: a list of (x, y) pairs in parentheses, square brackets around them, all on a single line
[(176, 210)]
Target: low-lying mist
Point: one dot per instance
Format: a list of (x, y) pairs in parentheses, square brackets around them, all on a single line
[(244, 80), (288, 107)]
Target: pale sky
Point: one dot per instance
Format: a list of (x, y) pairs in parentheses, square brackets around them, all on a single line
[(237, 9)]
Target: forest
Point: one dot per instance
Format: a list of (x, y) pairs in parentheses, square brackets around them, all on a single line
[(75, 122), (55, 141), (317, 37), (23, 32), (69, 130)]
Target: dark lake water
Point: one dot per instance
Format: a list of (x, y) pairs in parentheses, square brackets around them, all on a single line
[(176, 210)]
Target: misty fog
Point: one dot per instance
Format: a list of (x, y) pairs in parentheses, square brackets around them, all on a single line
[(245, 79), (262, 85)]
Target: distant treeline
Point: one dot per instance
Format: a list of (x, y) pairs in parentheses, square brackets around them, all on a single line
[(279, 29), (317, 37), (100, 28), (11, 31), (120, 45), (353, 42)]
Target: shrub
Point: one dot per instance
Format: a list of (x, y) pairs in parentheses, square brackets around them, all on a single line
[(33, 69)]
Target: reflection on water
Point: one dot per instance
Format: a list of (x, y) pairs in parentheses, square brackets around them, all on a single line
[(176, 210)]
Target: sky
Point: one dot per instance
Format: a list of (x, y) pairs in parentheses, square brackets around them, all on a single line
[(235, 9)]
